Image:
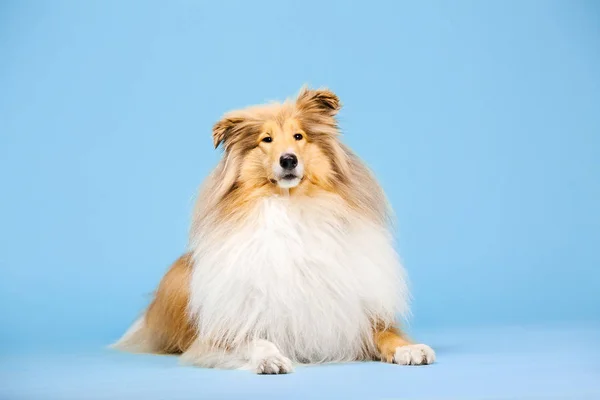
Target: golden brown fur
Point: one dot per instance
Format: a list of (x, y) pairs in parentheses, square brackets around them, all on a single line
[(166, 318)]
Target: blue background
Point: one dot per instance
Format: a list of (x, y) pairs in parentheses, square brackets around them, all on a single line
[(480, 118)]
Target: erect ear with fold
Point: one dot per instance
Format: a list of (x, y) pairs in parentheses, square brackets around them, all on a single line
[(320, 100), (223, 128)]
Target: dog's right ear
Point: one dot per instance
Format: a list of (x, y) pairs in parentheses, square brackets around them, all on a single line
[(222, 129)]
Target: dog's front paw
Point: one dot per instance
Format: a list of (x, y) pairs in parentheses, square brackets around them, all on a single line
[(266, 359), (414, 354), (274, 364)]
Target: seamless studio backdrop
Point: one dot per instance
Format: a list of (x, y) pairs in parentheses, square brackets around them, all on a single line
[(480, 119)]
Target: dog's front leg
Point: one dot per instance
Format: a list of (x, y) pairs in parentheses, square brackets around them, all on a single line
[(259, 356), (265, 358)]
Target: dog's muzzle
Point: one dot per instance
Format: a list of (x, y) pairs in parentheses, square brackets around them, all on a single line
[(289, 172)]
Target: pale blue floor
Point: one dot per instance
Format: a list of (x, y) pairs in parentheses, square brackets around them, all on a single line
[(507, 363)]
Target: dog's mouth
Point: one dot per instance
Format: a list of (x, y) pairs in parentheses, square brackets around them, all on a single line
[(288, 181)]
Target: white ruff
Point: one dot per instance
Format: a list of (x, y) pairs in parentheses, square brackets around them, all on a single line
[(303, 273)]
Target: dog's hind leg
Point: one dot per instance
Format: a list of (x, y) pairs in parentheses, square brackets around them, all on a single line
[(394, 347), (165, 327)]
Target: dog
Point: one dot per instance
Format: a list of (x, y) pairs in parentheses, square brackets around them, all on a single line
[(291, 257)]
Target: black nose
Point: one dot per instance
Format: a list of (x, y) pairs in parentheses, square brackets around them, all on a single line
[(288, 161)]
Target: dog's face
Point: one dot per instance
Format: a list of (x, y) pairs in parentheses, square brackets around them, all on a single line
[(283, 145), (282, 152)]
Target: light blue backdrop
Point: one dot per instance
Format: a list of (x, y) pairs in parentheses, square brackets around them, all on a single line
[(481, 119)]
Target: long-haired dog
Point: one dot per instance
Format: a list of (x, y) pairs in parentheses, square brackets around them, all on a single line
[(290, 260)]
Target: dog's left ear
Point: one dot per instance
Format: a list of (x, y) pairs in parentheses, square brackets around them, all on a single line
[(319, 100), (223, 128)]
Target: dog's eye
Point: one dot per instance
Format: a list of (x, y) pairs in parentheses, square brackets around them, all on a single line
[(298, 136), (267, 139)]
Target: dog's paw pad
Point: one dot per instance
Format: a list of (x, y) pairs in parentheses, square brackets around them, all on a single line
[(276, 364), (414, 354)]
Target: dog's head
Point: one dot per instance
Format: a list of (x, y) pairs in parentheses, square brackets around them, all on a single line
[(283, 145)]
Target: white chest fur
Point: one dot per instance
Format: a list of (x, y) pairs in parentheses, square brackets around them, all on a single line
[(299, 273)]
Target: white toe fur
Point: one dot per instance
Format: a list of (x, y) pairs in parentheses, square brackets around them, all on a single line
[(274, 365), (415, 354), (265, 358)]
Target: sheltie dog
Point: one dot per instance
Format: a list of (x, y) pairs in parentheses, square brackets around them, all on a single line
[(291, 258)]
